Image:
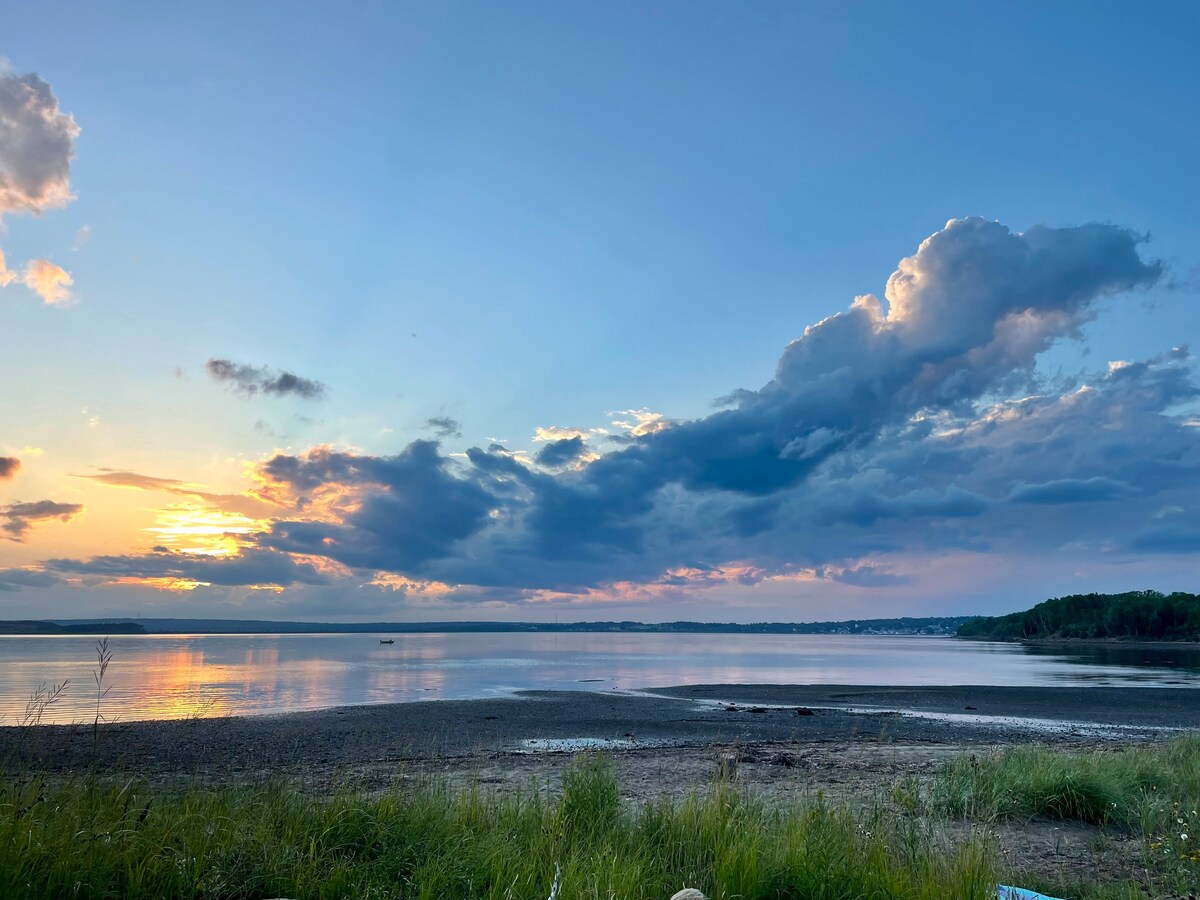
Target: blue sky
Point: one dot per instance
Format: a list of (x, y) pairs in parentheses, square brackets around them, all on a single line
[(520, 216)]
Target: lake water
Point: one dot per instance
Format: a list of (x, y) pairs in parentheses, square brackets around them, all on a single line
[(175, 676)]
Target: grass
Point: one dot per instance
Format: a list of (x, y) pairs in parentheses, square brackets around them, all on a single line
[(92, 839), (1137, 788), (1151, 793)]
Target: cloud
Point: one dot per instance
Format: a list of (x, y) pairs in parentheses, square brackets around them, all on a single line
[(408, 509), (865, 575), (912, 424), (1071, 490), (1174, 538), (15, 579), (20, 517), (9, 467), (36, 145), (42, 276), (444, 427), (49, 281), (244, 504), (639, 422), (559, 453), (135, 480), (252, 379), (251, 567), (558, 433)]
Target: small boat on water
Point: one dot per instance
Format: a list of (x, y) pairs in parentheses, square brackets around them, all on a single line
[(388, 641)]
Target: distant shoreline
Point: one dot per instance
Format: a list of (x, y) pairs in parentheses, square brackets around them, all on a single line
[(930, 626)]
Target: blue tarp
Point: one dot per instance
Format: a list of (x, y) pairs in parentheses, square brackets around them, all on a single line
[(1004, 892)]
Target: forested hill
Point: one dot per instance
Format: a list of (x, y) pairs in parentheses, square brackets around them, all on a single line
[(1137, 615)]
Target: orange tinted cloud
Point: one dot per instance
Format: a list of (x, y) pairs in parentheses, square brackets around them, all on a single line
[(49, 281)]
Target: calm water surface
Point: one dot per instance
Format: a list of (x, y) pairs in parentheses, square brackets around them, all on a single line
[(174, 676)]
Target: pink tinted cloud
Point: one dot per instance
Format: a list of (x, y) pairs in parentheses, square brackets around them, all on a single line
[(52, 283)]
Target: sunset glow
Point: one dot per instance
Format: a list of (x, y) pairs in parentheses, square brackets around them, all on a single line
[(205, 531)]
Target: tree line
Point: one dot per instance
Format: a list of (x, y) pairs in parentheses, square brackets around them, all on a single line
[(1145, 615)]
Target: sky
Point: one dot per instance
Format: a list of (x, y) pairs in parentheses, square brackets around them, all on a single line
[(576, 311)]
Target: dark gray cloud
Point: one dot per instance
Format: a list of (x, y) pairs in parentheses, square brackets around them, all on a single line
[(559, 453), (444, 427), (868, 576), (1071, 490), (15, 579), (20, 517), (9, 467), (413, 509), (251, 567), (36, 145), (254, 379)]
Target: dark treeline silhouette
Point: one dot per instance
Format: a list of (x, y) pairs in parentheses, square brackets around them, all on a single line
[(1144, 615)]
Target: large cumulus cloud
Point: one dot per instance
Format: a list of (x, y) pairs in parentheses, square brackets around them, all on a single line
[(792, 464), (911, 423)]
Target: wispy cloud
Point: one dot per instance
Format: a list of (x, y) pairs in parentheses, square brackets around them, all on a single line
[(9, 467), (252, 380), (444, 427), (241, 504)]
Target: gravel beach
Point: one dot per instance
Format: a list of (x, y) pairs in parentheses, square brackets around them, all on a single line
[(657, 722)]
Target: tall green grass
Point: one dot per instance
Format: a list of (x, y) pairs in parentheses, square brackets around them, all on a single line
[(1140, 788), (92, 839), (1151, 793)]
